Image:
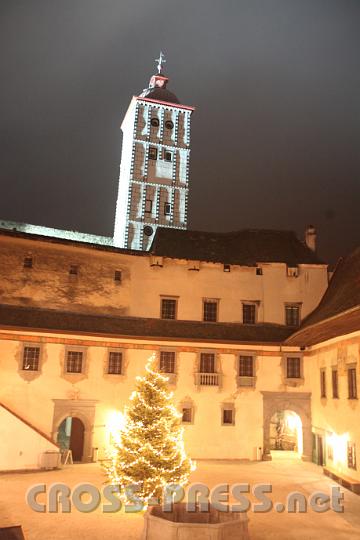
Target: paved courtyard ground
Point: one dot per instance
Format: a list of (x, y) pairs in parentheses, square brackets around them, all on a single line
[(285, 473)]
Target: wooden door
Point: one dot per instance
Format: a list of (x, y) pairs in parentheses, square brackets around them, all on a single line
[(77, 439)]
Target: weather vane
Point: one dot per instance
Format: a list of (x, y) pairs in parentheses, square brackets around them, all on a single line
[(160, 61)]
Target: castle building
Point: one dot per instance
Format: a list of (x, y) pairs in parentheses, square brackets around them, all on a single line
[(261, 351)]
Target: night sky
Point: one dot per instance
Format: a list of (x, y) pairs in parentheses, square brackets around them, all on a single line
[(276, 131)]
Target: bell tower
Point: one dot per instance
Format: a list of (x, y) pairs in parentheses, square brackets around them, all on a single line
[(154, 169)]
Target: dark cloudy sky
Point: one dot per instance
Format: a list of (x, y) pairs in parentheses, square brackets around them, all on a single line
[(275, 83)]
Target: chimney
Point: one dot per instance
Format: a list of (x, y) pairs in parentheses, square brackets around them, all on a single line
[(310, 237)]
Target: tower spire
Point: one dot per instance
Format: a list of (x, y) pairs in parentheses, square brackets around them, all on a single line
[(159, 62)]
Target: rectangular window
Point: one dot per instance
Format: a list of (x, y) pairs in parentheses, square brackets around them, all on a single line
[(115, 363), (28, 262), (168, 308), (323, 383), (351, 455), (186, 415), (210, 308), (31, 358), (352, 386), (73, 270), (148, 206), (292, 315), (117, 276), (167, 155), (228, 416), (207, 363), (74, 361), (335, 383), (153, 153), (167, 361), (246, 366), (167, 209), (249, 313), (293, 370)]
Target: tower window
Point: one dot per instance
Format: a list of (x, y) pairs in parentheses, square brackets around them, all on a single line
[(117, 276), (73, 270), (168, 308), (169, 124), (28, 262), (148, 206), (148, 230), (292, 314), (167, 209), (154, 122), (153, 153), (168, 155)]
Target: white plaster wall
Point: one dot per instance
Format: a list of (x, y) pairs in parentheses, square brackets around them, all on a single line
[(20, 446), (337, 416)]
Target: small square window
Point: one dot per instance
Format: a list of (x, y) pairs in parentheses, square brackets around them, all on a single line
[(117, 276), (259, 272), (293, 368), (148, 206), (74, 361), (210, 309), (28, 262), (115, 363), (246, 366), (187, 415), (228, 416), (31, 358), (167, 209), (73, 270), (168, 308), (168, 155), (249, 313), (153, 152), (292, 315), (167, 361), (352, 386)]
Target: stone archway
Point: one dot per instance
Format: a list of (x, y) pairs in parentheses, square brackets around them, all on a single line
[(84, 410), (300, 403)]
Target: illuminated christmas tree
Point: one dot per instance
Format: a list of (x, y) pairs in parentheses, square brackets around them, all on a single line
[(149, 449)]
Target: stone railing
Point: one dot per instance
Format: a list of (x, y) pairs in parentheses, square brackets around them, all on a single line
[(208, 379)]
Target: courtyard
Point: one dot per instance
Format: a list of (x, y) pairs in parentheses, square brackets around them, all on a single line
[(286, 473)]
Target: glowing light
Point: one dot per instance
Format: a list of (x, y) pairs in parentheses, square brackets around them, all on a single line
[(338, 444), (114, 425)]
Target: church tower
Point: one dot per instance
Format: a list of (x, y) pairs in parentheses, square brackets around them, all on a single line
[(154, 169)]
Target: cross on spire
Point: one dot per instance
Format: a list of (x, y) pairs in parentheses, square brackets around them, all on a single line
[(160, 61)]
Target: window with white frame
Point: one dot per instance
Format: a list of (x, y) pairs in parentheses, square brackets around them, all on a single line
[(167, 361), (115, 363), (74, 361), (31, 358)]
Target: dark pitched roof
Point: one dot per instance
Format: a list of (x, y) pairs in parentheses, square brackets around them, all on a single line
[(160, 94), (339, 310), (246, 247), (80, 323)]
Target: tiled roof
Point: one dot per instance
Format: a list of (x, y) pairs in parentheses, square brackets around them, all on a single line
[(100, 325), (246, 247), (339, 310)]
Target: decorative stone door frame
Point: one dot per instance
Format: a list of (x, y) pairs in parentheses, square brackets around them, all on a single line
[(298, 402), (84, 409)]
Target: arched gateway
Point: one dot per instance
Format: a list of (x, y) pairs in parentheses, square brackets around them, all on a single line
[(299, 402)]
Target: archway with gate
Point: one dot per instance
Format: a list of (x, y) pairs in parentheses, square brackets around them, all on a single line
[(297, 405)]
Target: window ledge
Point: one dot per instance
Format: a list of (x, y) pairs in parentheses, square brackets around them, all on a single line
[(292, 381), (245, 382)]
